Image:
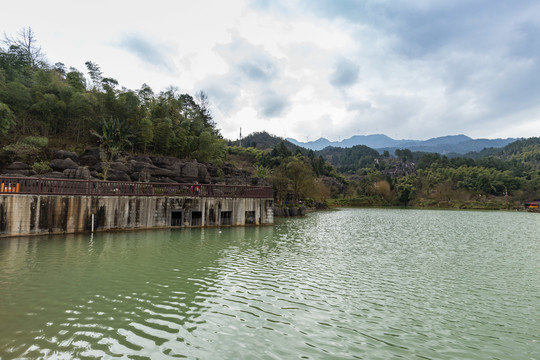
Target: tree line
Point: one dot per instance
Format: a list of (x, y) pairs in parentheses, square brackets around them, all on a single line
[(68, 107), (501, 178)]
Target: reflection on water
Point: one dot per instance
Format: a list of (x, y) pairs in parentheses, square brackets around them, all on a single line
[(358, 283)]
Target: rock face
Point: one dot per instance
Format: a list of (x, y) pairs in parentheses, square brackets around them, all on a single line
[(63, 154), (68, 165), (63, 164), (17, 165)]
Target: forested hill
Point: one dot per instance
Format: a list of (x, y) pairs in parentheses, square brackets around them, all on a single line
[(262, 140), (77, 111)]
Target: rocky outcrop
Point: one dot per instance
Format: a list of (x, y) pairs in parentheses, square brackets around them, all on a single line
[(63, 164), (68, 165), (18, 168)]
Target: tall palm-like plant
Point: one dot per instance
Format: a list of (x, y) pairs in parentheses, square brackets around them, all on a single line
[(115, 137)]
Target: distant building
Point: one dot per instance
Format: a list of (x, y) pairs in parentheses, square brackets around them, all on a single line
[(531, 205)]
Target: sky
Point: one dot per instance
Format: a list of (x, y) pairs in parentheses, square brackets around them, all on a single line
[(410, 69)]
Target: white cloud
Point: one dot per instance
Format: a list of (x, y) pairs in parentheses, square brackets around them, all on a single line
[(311, 68)]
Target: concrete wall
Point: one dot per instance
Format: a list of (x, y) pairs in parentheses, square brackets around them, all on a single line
[(33, 214)]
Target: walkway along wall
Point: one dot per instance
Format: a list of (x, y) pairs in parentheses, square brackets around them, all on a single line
[(41, 214)]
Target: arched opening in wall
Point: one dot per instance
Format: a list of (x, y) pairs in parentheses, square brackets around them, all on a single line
[(196, 218), (177, 218), (226, 218), (250, 217)]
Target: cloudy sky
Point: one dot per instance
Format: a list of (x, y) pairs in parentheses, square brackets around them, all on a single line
[(306, 69)]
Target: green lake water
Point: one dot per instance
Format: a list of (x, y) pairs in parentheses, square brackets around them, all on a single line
[(345, 284)]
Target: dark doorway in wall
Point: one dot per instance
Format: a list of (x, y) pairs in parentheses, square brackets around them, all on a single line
[(211, 217), (177, 218), (250, 217), (196, 218), (226, 218)]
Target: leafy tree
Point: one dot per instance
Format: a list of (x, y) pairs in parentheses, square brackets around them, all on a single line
[(280, 182), (406, 188), (301, 176), (262, 172), (146, 94), (94, 71), (6, 119), (51, 110), (76, 80), (404, 154), (114, 137), (210, 148), (17, 96), (163, 135), (81, 114), (145, 133), (281, 151)]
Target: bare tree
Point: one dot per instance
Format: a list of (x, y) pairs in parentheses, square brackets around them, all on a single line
[(204, 102), (26, 44)]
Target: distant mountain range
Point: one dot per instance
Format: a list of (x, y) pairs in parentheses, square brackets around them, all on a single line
[(459, 144)]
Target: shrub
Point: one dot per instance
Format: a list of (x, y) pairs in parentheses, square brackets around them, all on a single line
[(38, 141), (26, 149), (41, 167)]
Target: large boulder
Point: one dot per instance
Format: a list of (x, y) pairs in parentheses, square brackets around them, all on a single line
[(140, 158), (80, 173), (293, 211), (140, 176), (117, 175), (92, 152), (17, 165), (117, 165), (190, 170), (18, 173), (167, 162), (54, 175), (136, 166), (151, 169), (89, 160), (202, 173), (63, 164), (64, 154)]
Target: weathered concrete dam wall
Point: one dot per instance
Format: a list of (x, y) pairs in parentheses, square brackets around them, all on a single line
[(41, 214)]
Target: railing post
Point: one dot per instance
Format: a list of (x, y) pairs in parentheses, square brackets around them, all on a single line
[(39, 186)]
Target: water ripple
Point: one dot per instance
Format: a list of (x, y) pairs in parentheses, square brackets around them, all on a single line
[(348, 284)]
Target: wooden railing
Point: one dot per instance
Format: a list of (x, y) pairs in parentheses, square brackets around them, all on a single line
[(46, 186)]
